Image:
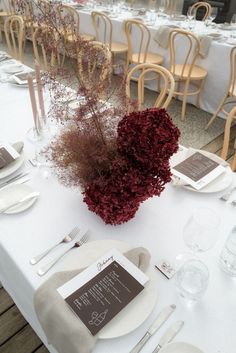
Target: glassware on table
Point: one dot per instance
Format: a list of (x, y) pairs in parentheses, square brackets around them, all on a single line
[(162, 6), (233, 25), (228, 254), (212, 16), (200, 233), (192, 280), (191, 17)]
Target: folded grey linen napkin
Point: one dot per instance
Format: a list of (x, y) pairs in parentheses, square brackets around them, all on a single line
[(64, 330), (162, 35), (205, 43)]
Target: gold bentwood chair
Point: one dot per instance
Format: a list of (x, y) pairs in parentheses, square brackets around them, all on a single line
[(202, 6), (186, 72), (230, 118), (46, 46), (94, 65), (167, 84), (142, 42), (14, 32), (7, 10), (231, 88), (104, 36)]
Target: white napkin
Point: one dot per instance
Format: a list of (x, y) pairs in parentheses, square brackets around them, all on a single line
[(205, 43), (64, 330), (162, 35)]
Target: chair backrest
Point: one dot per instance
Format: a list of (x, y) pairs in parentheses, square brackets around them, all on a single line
[(10, 6), (101, 20), (94, 64), (190, 50), (167, 83), (202, 6), (46, 48), (68, 19), (142, 39), (14, 32), (232, 80)]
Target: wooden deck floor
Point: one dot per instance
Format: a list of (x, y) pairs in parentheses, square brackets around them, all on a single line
[(16, 335)]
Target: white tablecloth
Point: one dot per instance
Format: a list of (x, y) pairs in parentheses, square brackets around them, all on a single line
[(217, 62), (158, 225)]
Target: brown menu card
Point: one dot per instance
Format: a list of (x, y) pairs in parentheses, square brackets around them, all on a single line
[(104, 296), (7, 155)]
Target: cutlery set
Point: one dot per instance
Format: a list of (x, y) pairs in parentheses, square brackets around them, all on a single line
[(225, 197), (66, 239), (169, 334)]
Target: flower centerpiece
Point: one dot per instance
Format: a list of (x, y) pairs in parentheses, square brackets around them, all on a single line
[(117, 156)]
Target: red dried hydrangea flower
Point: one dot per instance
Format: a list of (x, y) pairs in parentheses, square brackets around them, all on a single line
[(145, 142)]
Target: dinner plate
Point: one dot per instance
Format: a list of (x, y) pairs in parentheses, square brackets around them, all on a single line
[(226, 27), (222, 182), (138, 310), (12, 167), (13, 68), (14, 193), (180, 347)]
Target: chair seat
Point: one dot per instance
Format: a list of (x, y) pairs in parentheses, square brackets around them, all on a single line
[(71, 37), (118, 47), (198, 73), (151, 58)]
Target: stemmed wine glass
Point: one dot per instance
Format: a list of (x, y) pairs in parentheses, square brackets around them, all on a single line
[(191, 16), (233, 25), (212, 16), (162, 6)]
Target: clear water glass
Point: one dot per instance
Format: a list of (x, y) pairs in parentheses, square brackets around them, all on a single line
[(228, 254), (200, 233), (192, 280)]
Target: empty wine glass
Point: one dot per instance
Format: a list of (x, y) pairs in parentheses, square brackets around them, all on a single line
[(200, 233), (233, 22), (162, 6), (191, 13), (213, 14)]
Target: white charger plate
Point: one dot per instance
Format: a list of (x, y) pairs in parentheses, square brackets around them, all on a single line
[(13, 68), (14, 193), (222, 182), (138, 310), (180, 347), (12, 167)]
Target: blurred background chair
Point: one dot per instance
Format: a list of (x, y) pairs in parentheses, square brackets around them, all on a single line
[(186, 72), (14, 33), (203, 7), (167, 84), (231, 88), (230, 118)]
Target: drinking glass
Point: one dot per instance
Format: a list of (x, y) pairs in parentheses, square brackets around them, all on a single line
[(191, 14), (162, 6), (200, 233), (213, 14), (192, 280), (228, 254), (233, 21)]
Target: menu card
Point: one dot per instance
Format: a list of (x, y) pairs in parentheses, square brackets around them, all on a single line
[(7, 154), (198, 170), (101, 291)]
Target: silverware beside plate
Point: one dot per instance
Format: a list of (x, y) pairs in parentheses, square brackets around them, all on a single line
[(169, 335)]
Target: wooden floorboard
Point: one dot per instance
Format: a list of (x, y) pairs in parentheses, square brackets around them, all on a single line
[(5, 301), (11, 321)]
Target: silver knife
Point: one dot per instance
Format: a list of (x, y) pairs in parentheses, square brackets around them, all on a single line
[(169, 335), (13, 179), (161, 318), (28, 197)]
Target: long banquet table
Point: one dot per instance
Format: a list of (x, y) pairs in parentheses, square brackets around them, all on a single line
[(158, 225), (216, 62)]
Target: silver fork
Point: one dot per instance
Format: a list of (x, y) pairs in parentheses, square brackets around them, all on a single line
[(226, 196), (79, 243), (69, 237)]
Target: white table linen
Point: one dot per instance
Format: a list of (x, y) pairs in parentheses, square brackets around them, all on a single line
[(158, 225)]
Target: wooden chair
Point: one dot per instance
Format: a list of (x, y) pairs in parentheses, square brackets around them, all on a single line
[(102, 21), (7, 10), (186, 72), (46, 48), (167, 88), (94, 65), (231, 88), (14, 32), (142, 42), (201, 6), (69, 24), (230, 118)]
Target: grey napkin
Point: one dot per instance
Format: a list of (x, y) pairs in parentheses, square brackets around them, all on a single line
[(64, 330), (162, 35), (205, 43)]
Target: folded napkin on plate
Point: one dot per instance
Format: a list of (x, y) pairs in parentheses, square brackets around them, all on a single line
[(64, 330), (205, 43), (162, 35), (176, 181)]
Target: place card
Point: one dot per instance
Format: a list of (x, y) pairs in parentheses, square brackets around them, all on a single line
[(198, 170), (102, 290), (7, 154)]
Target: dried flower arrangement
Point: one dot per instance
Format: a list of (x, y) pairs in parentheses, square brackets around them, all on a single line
[(118, 159)]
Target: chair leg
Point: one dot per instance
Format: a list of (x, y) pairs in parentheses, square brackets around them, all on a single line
[(227, 136), (233, 165), (217, 112), (185, 93), (198, 95)]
